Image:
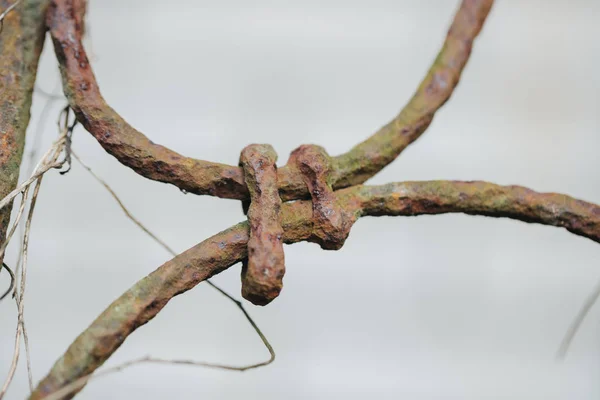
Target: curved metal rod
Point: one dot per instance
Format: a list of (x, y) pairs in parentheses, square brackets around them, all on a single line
[(133, 149)]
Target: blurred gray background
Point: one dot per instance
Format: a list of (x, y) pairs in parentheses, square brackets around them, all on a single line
[(443, 307)]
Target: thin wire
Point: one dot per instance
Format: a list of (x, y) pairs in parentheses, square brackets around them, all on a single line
[(173, 253)]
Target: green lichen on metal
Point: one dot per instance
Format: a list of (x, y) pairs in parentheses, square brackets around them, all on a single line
[(369, 157)]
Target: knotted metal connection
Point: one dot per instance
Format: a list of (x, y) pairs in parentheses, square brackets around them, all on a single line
[(263, 270)]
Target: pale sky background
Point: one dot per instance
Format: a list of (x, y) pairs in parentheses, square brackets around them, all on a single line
[(434, 307)]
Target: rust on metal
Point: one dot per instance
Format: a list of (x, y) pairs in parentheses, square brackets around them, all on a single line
[(326, 220), (115, 135), (133, 149), (314, 164), (146, 298), (372, 155), (262, 273), (21, 43), (480, 198)]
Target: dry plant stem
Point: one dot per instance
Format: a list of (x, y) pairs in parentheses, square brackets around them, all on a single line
[(35, 149), (146, 298), (20, 298), (27, 357), (13, 229), (16, 296), (4, 245), (49, 160), (577, 322), (262, 274), (125, 209), (30, 166), (21, 43), (81, 382), (133, 149)]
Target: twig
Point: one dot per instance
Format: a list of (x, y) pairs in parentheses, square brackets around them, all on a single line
[(28, 357), (20, 297), (41, 122), (13, 228), (50, 160), (577, 322), (51, 98), (125, 209), (39, 129), (81, 382)]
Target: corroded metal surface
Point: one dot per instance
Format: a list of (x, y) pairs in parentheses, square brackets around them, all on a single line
[(370, 156), (314, 165), (326, 219), (146, 298), (262, 274), (21, 42), (133, 149), (117, 137), (482, 198)]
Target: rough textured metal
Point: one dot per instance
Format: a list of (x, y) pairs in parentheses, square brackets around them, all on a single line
[(146, 298), (156, 162), (482, 198), (21, 42), (117, 137), (143, 301), (314, 164), (371, 156), (262, 274)]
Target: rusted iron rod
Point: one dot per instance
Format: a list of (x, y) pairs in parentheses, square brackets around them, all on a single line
[(145, 299), (153, 161)]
